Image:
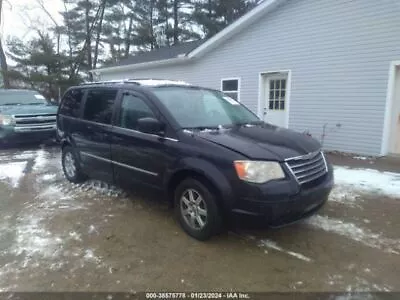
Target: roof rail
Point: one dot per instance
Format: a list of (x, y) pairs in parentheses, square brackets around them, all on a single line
[(110, 82), (138, 81)]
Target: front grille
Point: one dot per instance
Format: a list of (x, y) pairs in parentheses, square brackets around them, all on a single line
[(35, 120), (307, 168)]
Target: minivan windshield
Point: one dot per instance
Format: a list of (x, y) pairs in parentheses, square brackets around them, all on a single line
[(9, 97), (203, 108)]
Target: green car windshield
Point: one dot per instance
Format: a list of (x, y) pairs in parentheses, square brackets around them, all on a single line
[(9, 97), (203, 108)]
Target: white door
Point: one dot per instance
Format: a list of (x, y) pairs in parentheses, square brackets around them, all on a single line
[(395, 131), (275, 111)]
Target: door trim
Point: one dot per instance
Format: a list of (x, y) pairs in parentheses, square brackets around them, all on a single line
[(118, 163), (261, 98), (385, 144)]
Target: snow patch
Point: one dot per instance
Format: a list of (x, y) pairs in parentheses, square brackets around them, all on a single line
[(355, 233), (12, 172), (368, 180), (345, 195), (40, 160), (32, 239), (360, 157), (24, 155), (272, 245), (90, 256), (49, 177)]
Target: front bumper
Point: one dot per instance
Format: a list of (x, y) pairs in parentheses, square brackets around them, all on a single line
[(10, 134), (282, 203)]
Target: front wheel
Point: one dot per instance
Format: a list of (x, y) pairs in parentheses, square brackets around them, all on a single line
[(70, 166), (196, 209)]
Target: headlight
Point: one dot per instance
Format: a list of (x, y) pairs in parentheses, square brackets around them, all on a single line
[(258, 171), (6, 120)]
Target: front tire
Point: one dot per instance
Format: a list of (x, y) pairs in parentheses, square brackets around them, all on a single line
[(71, 167), (197, 210)]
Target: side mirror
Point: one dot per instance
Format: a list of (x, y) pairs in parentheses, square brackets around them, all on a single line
[(151, 126)]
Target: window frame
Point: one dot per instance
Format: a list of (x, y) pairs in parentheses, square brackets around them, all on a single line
[(238, 79), (86, 94), (117, 118), (82, 106), (275, 90)]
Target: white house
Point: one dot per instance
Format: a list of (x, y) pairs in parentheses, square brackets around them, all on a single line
[(329, 67)]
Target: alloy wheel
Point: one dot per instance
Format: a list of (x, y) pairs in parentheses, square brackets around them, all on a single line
[(193, 209)]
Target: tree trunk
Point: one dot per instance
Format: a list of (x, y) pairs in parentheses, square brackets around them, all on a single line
[(99, 29), (128, 37), (152, 44), (88, 35), (176, 22), (167, 33), (3, 59), (4, 67)]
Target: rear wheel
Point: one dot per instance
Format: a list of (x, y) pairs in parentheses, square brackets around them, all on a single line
[(70, 166), (196, 209)]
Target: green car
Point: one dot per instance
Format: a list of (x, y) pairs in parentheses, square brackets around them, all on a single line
[(26, 116)]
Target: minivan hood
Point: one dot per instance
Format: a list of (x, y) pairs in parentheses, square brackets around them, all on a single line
[(264, 142), (28, 109)]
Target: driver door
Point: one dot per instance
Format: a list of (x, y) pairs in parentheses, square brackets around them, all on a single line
[(138, 158)]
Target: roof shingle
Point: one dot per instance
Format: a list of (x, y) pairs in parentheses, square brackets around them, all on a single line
[(160, 54)]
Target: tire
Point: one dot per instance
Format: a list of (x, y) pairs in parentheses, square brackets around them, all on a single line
[(72, 172), (188, 212)]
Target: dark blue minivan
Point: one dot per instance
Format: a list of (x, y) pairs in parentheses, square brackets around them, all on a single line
[(211, 156)]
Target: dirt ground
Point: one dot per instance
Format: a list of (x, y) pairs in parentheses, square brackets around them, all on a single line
[(56, 236)]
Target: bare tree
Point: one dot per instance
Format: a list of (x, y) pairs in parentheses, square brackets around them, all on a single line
[(98, 34), (57, 26)]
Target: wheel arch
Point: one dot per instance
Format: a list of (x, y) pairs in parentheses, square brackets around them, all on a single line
[(207, 174)]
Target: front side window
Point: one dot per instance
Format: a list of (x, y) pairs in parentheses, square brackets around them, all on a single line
[(99, 105), (133, 108), (230, 87), (71, 104), (198, 108)]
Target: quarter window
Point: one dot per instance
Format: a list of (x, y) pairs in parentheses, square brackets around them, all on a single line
[(132, 109), (71, 104), (231, 87), (99, 105), (277, 94)]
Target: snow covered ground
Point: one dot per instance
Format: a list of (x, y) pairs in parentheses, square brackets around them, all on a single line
[(41, 237)]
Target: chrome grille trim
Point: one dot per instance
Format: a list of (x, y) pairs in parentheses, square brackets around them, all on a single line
[(308, 167), (24, 122)]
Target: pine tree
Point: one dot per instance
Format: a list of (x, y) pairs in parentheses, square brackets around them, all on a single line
[(39, 66), (214, 15)]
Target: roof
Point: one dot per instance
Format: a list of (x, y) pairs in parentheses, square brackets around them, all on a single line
[(8, 91), (160, 54), (194, 50)]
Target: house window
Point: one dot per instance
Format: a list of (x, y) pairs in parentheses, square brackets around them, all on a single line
[(231, 87), (277, 94)]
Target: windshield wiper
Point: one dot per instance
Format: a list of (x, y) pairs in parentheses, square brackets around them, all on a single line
[(202, 128), (6, 104), (35, 103), (251, 123)]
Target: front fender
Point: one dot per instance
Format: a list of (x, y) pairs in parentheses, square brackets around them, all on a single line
[(205, 169)]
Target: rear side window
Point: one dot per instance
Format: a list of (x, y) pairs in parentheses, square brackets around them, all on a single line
[(71, 104), (99, 105)]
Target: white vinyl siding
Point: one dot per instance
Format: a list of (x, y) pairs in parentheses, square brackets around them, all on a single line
[(339, 53)]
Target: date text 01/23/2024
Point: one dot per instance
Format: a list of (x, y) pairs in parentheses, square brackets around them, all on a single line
[(197, 295)]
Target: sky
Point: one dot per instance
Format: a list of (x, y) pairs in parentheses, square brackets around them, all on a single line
[(19, 16)]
